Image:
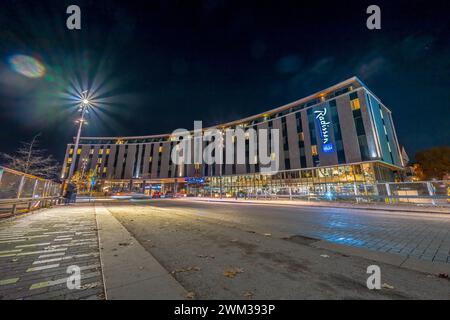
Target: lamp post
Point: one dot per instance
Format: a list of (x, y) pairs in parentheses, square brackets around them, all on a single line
[(221, 163), (84, 104)]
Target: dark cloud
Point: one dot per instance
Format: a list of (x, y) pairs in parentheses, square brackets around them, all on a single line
[(168, 63)]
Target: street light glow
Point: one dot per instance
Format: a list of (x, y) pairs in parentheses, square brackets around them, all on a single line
[(85, 101)]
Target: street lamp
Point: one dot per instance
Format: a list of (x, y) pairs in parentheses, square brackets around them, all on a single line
[(84, 104)]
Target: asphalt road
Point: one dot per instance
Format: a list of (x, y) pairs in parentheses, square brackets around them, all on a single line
[(422, 235), (229, 251)]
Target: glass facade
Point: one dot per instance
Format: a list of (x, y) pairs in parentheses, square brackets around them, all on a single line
[(337, 137)]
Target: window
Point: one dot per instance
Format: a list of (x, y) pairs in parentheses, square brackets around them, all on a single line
[(108, 151), (104, 170), (160, 149), (99, 160), (353, 96), (69, 160), (314, 150), (301, 136), (92, 151), (100, 151), (79, 151), (355, 104), (71, 151)]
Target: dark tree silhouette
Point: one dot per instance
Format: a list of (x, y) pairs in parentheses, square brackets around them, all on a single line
[(433, 163), (28, 158)]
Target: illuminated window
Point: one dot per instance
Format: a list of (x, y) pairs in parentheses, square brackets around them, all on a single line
[(119, 141), (108, 151), (99, 160), (301, 136), (104, 170), (69, 160), (79, 151), (160, 149), (100, 151), (314, 150), (71, 151), (150, 158), (92, 151), (355, 104)]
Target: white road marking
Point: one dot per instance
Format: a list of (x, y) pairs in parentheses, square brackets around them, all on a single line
[(66, 258), (10, 251), (41, 251), (51, 255), (50, 266), (33, 245)]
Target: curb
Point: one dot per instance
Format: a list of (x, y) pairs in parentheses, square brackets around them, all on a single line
[(129, 271)]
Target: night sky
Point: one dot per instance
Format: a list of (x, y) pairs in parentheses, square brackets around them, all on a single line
[(160, 65)]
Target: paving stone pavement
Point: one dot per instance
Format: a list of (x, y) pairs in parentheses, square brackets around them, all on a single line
[(420, 235), (37, 249)]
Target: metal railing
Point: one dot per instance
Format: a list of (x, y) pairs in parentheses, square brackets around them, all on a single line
[(21, 192), (425, 193)]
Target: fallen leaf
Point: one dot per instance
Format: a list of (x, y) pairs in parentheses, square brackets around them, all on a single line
[(324, 256), (248, 294), (231, 273), (190, 295), (267, 234), (387, 286), (89, 285)]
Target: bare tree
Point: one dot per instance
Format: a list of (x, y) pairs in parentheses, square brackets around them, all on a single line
[(28, 158)]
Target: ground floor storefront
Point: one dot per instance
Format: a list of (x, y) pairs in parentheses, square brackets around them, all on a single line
[(333, 181)]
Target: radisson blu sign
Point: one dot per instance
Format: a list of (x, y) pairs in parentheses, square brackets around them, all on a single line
[(324, 129)]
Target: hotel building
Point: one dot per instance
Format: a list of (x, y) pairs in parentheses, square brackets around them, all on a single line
[(339, 140)]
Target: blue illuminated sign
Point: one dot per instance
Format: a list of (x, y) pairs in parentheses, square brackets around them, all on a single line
[(193, 180), (324, 130), (328, 147)]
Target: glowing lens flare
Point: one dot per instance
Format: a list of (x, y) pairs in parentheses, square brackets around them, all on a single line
[(27, 66)]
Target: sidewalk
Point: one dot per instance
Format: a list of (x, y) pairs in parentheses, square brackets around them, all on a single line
[(37, 249), (361, 206), (130, 271)]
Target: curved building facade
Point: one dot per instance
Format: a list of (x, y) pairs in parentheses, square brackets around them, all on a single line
[(340, 138)]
